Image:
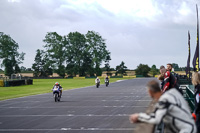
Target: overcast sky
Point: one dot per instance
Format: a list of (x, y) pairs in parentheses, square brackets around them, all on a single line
[(136, 31)]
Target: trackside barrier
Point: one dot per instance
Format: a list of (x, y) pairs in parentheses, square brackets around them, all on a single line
[(184, 82), (78, 77), (139, 76), (29, 82), (69, 77), (156, 76), (1, 83), (129, 76), (6, 84), (116, 77), (93, 77), (18, 82), (14, 83), (188, 94)]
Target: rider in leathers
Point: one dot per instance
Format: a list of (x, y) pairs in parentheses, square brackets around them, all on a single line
[(60, 88)]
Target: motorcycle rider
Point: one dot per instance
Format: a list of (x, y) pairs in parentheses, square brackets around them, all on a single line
[(97, 80), (60, 88), (107, 79)]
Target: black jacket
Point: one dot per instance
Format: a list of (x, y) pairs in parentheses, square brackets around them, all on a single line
[(197, 99)]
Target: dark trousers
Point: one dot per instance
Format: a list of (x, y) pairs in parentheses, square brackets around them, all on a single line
[(198, 122)]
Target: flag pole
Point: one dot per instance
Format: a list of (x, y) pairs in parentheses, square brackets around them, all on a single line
[(188, 61), (196, 55)]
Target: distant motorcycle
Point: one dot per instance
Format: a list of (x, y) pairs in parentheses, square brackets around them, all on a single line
[(56, 93), (107, 83)]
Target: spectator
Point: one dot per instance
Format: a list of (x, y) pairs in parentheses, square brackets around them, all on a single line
[(161, 78), (170, 68), (171, 108), (196, 83), (169, 80)]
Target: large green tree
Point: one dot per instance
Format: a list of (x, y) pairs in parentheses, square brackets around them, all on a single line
[(107, 63), (9, 54), (176, 67), (56, 47), (87, 65), (142, 69), (97, 48), (154, 70), (23, 69), (107, 66), (77, 54), (121, 69), (42, 66)]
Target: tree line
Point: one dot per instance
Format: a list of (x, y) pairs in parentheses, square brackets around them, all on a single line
[(74, 54)]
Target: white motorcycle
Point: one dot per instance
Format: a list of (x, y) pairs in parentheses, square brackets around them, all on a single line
[(56, 93)]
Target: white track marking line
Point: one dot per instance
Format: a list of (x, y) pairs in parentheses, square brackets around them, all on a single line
[(100, 129), (70, 129), (120, 100), (68, 115), (17, 130), (120, 80), (16, 102), (69, 95), (82, 101), (76, 107)]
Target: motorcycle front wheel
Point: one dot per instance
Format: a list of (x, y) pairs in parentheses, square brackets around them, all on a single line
[(56, 97)]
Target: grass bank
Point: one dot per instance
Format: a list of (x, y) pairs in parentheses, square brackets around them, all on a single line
[(41, 86)]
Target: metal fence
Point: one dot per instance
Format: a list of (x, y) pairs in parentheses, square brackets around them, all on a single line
[(188, 94)]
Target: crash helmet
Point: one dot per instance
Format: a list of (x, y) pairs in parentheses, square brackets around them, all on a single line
[(56, 83)]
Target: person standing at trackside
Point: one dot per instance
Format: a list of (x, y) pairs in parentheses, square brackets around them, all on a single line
[(161, 78), (196, 83), (169, 80), (169, 68), (171, 108)]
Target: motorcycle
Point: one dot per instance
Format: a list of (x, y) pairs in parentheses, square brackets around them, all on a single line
[(56, 93), (98, 84), (107, 83)]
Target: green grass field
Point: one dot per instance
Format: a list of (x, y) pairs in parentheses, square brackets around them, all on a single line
[(45, 85)]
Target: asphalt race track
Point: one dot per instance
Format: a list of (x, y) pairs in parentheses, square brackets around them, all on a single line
[(84, 110)]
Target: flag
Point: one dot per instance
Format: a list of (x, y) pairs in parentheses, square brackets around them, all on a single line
[(196, 55), (187, 70)]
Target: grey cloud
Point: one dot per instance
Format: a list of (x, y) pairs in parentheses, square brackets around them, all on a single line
[(133, 40)]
